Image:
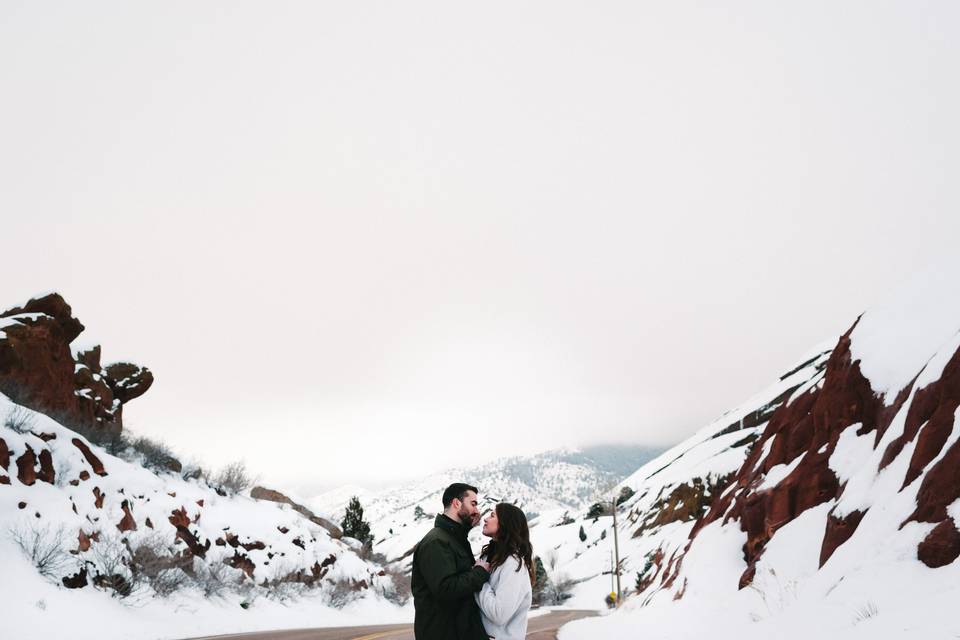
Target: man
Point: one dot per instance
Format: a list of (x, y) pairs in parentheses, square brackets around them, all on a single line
[(444, 574)]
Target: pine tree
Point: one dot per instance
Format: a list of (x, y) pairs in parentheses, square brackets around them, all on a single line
[(540, 580), (353, 524), (625, 494), (596, 510), (583, 534)]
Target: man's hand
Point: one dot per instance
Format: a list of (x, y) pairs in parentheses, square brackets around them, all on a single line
[(484, 564)]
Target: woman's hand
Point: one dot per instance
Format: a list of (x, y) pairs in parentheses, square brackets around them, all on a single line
[(484, 564)]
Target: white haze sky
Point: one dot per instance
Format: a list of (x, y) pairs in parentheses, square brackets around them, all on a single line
[(361, 241)]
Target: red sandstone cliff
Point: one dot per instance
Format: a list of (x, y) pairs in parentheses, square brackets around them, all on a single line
[(39, 370)]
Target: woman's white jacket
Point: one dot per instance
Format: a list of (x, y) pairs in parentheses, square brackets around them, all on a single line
[(505, 601)]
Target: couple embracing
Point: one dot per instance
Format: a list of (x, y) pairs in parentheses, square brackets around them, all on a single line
[(457, 598)]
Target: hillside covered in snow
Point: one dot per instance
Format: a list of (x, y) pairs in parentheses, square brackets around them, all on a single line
[(826, 506), (114, 538)]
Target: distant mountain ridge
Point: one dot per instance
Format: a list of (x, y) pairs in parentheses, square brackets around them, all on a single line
[(560, 478), (553, 482)]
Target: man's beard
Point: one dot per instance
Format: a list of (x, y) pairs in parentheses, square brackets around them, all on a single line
[(466, 519)]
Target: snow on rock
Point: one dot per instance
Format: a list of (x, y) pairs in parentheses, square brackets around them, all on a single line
[(837, 517), (39, 369)]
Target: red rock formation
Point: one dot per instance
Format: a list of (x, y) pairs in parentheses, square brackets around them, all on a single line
[(256, 545), (933, 409), (242, 562), (4, 455), (92, 460), (941, 546), (127, 523), (77, 580), (838, 531), (84, 475), (98, 498), (47, 473), (83, 541), (25, 467), (4, 479), (128, 381), (38, 370), (36, 365), (809, 426), (179, 518), (262, 493)]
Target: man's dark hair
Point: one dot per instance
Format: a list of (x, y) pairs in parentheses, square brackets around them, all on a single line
[(456, 491)]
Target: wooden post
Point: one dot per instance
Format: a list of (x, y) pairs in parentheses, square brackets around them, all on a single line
[(616, 550)]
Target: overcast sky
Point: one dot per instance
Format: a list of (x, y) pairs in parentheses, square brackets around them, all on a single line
[(359, 241)]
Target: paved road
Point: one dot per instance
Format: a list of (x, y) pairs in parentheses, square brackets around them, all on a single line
[(540, 628)]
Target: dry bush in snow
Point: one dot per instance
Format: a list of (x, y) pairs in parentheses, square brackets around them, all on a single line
[(19, 419), (155, 455), (233, 478), (44, 547), (342, 592), (397, 590)]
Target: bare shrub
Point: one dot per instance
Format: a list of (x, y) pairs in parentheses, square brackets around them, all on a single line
[(867, 611), (20, 419), (775, 595), (155, 455), (342, 592), (114, 442), (284, 586), (194, 470), (397, 590), (111, 559), (62, 472), (157, 564), (216, 579), (233, 478), (559, 585), (558, 589), (44, 546)]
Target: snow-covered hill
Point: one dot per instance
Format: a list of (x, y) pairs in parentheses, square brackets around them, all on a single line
[(93, 545), (549, 483), (827, 506)]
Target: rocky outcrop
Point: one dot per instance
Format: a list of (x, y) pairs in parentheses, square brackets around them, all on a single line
[(797, 444), (26, 464), (809, 425), (685, 502), (262, 493), (127, 523), (839, 530), (91, 459), (941, 546), (39, 370)]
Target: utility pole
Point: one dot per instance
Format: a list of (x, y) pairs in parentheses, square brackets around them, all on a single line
[(613, 586), (616, 550)]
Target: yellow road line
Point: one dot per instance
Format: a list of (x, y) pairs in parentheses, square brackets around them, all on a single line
[(382, 634)]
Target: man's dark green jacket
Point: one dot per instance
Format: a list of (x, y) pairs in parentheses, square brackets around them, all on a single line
[(443, 583)]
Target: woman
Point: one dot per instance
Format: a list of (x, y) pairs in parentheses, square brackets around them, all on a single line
[(505, 600)]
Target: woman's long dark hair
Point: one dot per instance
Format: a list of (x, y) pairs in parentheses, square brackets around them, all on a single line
[(512, 539)]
